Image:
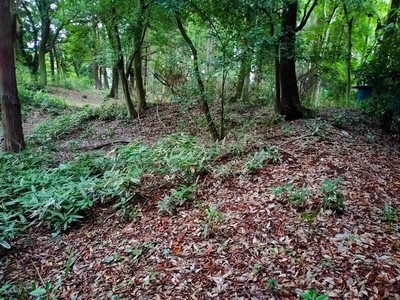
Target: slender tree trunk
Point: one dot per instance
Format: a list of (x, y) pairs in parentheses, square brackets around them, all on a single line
[(105, 78), (246, 88), (349, 22), (52, 66), (76, 68), (200, 84), (10, 105), (320, 51), (349, 59), (258, 76), (96, 77), (278, 107), (117, 47), (222, 113), (125, 87), (42, 64), (146, 68), (44, 9), (210, 59), (58, 65), (131, 75), (243, 72), (290, 105), (140, 91), (137, 63)]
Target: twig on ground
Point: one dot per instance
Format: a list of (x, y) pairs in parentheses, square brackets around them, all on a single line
[(38, 273)]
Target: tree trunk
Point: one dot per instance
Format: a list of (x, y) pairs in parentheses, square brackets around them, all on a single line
[(289, 105), (125, 87), (117, 47), (44, 9), (243, 72), (76, 68), (320, 51), (140, 91), (105, 78), (349, 22), (277, 101), (114, 84), (10, 105), (200, 84), (96, 77), (58, 65), (137, 63), (246, 88), (52, 66)]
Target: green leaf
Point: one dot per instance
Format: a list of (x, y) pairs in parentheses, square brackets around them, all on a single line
[(5, 244), (322, 297), (306, 296), (38, 292)]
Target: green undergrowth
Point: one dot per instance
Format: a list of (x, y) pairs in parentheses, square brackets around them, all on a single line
[(31, 97), (61, 125), (36, 189)]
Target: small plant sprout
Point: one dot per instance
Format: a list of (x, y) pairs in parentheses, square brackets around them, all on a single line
[(272, 284), (333, 198), (313, 295), (296, 196), (389, 213), (257, 160), (257, 269), (309, 216), (213, 218), (177, 198)]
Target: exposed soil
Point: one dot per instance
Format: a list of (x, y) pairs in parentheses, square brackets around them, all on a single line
[(265, 248)]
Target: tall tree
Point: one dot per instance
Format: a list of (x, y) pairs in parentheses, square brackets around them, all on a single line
[(139, 30), (10, 105), (197, 73), (44, 7), (108, 15), (289, 102), (350, 23)]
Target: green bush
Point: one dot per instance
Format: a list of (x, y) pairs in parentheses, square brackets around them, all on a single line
[(333, 197)]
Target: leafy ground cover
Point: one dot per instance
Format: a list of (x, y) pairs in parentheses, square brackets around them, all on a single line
[(294, 210)]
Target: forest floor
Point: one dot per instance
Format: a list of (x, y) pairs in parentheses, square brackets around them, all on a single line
[(262, 245)]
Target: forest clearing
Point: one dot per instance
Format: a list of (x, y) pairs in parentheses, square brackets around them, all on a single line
[(193, 149)]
